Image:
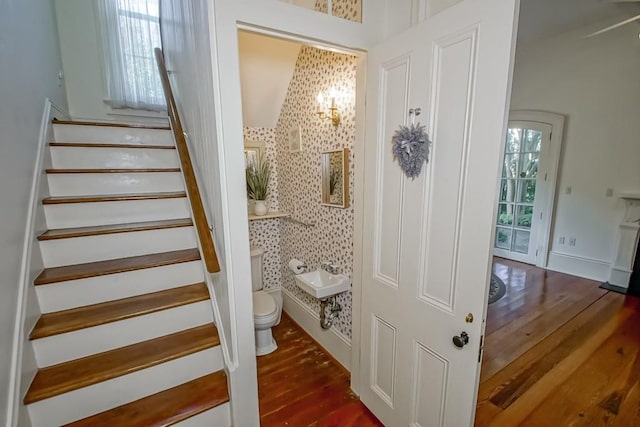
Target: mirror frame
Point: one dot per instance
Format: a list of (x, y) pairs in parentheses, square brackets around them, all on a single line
[(257, 146), (325, 163)]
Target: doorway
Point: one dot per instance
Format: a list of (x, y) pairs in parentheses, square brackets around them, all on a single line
[(526, 191)]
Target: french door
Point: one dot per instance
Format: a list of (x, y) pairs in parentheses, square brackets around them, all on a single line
[(521, 200)]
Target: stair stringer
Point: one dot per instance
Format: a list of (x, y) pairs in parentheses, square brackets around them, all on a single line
[(23, 360)]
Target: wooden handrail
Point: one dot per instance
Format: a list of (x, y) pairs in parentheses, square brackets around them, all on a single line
[(199, 216)]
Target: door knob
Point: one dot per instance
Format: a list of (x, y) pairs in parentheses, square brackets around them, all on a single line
[(461, 340)]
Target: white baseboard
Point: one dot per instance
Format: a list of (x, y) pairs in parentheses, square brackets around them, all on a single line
[(333, 341), (588, 268)]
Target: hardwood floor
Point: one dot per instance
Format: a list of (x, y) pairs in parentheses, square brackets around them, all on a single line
[(559, 351), (299, 385)]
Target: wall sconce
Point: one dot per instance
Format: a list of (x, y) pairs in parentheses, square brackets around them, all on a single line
[(333, 114)]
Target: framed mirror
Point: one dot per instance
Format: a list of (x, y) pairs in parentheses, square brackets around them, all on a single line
[(335, 178), (252, 149)]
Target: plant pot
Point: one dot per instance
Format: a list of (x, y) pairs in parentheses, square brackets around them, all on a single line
[(260, 207)]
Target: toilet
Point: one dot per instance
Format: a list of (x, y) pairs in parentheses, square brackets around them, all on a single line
[(266, 308)]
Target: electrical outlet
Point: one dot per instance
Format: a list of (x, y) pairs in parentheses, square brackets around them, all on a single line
[(609, 192), (561, 240), (572, 241), (568, 190)]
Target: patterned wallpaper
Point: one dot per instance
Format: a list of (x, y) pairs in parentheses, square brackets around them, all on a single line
[(266, 232), (299, 185), (346, 9)]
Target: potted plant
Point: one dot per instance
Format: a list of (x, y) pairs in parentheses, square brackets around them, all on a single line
[(258, 174)]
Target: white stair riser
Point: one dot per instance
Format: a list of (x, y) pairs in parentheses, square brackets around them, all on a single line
[(88, 184), (111, 135), (112, 158), (80, 250), (84, 342), (100, 397), (220, 416), (94, 290), (106, 213)]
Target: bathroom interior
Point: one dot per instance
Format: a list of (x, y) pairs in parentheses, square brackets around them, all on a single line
[(299, 117)]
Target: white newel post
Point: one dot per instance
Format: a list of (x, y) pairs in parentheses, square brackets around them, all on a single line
[(627, 241)]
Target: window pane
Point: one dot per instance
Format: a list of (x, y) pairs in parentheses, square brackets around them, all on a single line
[(532, 141), (503, 238), (508, 190), (529, 165), (505, 214), (521, 241), (525, 215), (514, 136), (527, 191), (510, 166)]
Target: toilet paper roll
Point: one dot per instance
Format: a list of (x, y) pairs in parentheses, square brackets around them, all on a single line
[(297, 266)]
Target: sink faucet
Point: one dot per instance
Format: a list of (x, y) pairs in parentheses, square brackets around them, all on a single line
[(330, 267)]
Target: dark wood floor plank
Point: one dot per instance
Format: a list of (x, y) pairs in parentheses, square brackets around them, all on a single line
[(584, 367), (300, 385)]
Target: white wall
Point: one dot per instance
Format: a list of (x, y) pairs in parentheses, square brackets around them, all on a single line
[(28, 75), (266, 67), (595, 84), (82, 63)]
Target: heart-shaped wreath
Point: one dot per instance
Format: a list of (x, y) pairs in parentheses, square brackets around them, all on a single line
[(411, 148)]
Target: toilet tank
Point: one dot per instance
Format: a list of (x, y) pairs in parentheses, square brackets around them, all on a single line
[(256, 268)]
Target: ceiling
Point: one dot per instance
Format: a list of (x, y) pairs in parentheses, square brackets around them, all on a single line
[(541, 18)]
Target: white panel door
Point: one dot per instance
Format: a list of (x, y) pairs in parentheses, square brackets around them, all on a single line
[(428, 241)]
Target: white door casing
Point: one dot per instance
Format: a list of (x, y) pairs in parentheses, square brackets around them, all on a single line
[(427, 242), (552, 125)]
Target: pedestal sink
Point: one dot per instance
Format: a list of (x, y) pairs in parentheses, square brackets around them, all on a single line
[(321, 284)]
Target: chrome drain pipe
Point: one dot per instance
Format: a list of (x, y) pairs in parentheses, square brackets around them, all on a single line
[(334, 307)]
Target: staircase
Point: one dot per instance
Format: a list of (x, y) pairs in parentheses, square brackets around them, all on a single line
[(126, 335)]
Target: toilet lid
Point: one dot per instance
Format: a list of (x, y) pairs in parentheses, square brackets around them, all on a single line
[(263, 304)]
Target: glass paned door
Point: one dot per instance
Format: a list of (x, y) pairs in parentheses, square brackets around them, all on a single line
[(515, 223)]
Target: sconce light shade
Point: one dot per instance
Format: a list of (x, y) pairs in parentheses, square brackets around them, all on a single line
[(333, 114)]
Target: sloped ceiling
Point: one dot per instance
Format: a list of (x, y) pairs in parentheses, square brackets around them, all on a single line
[(266, 67)]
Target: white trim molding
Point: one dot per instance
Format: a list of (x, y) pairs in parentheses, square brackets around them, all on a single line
[(547, 192), (588, 268), (23, 363), (338, 345)]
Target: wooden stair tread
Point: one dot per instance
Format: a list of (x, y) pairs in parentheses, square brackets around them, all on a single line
[(112, 266), (113, 198), (66, 233), (108, 124), (167, 407), (109, 145), (131, 170), (60, 322), (54, 380)]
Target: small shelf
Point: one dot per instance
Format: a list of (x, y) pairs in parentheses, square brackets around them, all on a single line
[(269, 215)]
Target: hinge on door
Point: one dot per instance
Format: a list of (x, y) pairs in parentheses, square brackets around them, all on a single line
[(540, 215), (545, 176), (537, 252), (480, 349)]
